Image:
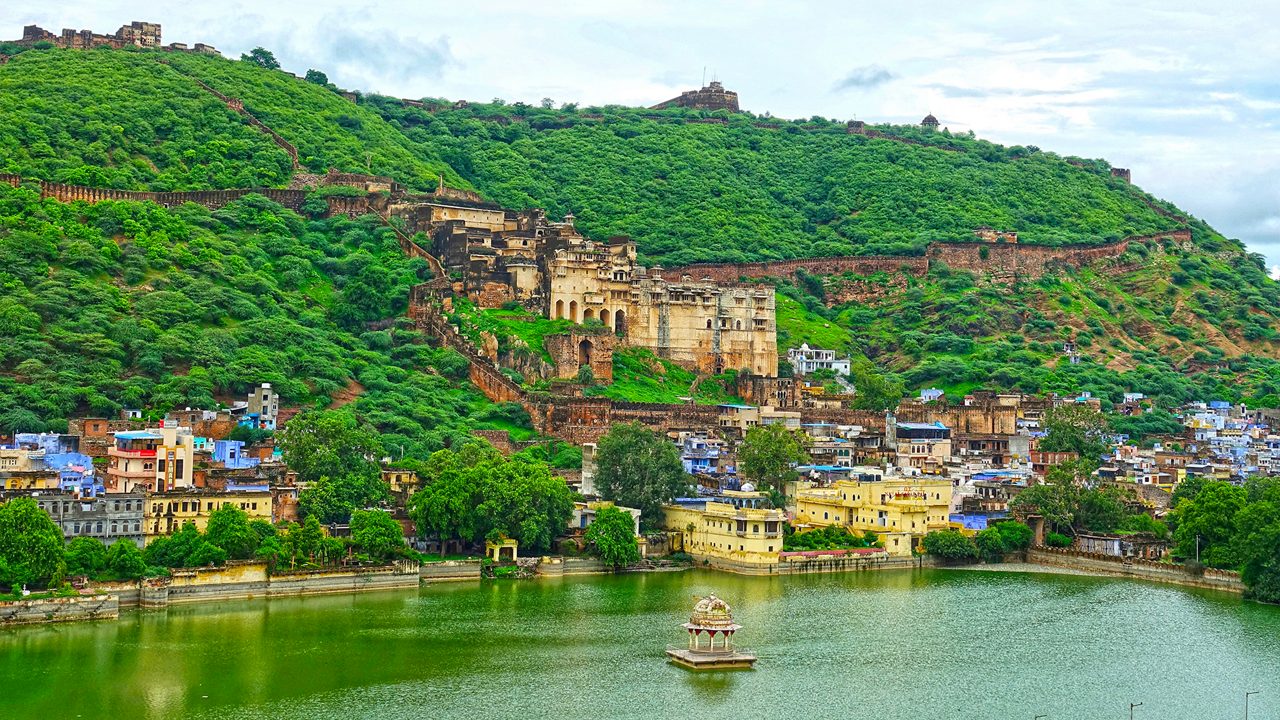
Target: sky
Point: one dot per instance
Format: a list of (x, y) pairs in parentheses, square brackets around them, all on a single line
[(1185, 94)]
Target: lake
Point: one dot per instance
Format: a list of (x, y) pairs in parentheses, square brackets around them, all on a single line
[(882, 645)]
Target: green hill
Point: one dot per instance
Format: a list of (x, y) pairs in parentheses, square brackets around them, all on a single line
[(90, 328), (690, 191), (138, 120), (122, 304)]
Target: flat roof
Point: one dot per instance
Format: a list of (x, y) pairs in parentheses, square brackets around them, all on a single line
[(138, 435)]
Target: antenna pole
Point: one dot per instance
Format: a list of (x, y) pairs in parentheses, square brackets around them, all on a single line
[(704, 76)]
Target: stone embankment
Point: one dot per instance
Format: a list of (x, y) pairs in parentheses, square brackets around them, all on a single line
[(63, 609), (1142, 569), (252, 579)]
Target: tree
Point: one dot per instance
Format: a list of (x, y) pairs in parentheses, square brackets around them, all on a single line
[(317, 77), (990, 545), (1078, 428), (1056, 500), (769, 454), (124, 559), (612, 534), (950, 545), (262, 58), (377, 534), (306, 541), (86, 556), (333, 501), (31, 550), (330, 443), (636, 467), (1015, 535), (874, 390), (205, 554), (229, 529), (524, 501), (1210, 520), (173, 551)]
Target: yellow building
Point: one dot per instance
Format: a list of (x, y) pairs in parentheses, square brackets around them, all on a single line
[(900, 510), (731, 530), (165, 513)]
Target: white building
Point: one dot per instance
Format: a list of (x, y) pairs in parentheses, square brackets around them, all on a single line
[(805, 360)]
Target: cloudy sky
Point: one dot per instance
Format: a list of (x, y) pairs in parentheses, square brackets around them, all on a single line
[(1184, 93)]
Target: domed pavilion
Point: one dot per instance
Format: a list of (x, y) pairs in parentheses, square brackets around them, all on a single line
[(713, 618)]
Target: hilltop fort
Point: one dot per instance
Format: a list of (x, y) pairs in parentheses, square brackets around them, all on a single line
[(711, 97), (135, 34)]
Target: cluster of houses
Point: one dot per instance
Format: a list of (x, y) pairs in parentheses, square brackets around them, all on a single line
[(902, 480), (953, 466), (134, 479)]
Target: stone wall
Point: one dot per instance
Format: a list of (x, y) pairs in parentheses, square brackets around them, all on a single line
[(68, 609), (450, 571), (1001, 262), (239, 580), (1143, 569)]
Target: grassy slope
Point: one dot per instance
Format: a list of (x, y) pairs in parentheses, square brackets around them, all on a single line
[(122, 120), (705, 192)]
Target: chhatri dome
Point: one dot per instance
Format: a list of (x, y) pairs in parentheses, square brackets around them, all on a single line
[(713, 618)]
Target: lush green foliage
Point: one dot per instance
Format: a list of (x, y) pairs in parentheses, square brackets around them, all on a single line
[(125, 561), (123, 304), (228, 529), (696, 191), (474, 493), (1234, 527), (612, 535), (31, 549), (378, 534), (1069, 507), (123, 120), (831, 537), (950, 545), (637, 468), (1206, 332), (86, 556), (769, 453)]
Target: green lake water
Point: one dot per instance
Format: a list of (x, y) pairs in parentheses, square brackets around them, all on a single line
[(883, 645)]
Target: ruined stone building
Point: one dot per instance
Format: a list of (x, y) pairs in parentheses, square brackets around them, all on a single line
[(711, 97), (498, 256), (138, 34)]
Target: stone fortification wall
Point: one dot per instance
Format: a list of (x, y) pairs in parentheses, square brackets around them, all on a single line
[(1003, 262), (70, 609), (1143, 569)]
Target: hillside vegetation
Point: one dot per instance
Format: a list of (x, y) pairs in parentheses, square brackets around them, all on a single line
[(122, 304), (136, 120), (693, 191)]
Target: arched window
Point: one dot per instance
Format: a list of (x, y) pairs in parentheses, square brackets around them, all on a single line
[(559, 309), (573, 310), (737, 324), (708, 323), (620, 322), (589, 314), (584, 353)]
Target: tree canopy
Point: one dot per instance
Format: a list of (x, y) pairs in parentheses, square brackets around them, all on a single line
[(636, 467)]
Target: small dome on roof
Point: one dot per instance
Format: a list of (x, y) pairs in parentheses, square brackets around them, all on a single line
[(929, 120)]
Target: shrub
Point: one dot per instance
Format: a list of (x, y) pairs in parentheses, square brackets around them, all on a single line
[(1057, 540), (950, 545)]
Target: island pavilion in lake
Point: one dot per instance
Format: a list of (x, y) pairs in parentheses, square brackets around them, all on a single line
[(713, 618)]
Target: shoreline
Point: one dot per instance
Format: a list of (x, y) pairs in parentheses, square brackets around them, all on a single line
[(251, 581)]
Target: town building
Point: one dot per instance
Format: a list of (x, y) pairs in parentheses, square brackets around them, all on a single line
[(263, 408), (806, 360), (731, 530), (165, 513), (135, 34), (107, 518), (924, 447), (900, 509), (157, 460)]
